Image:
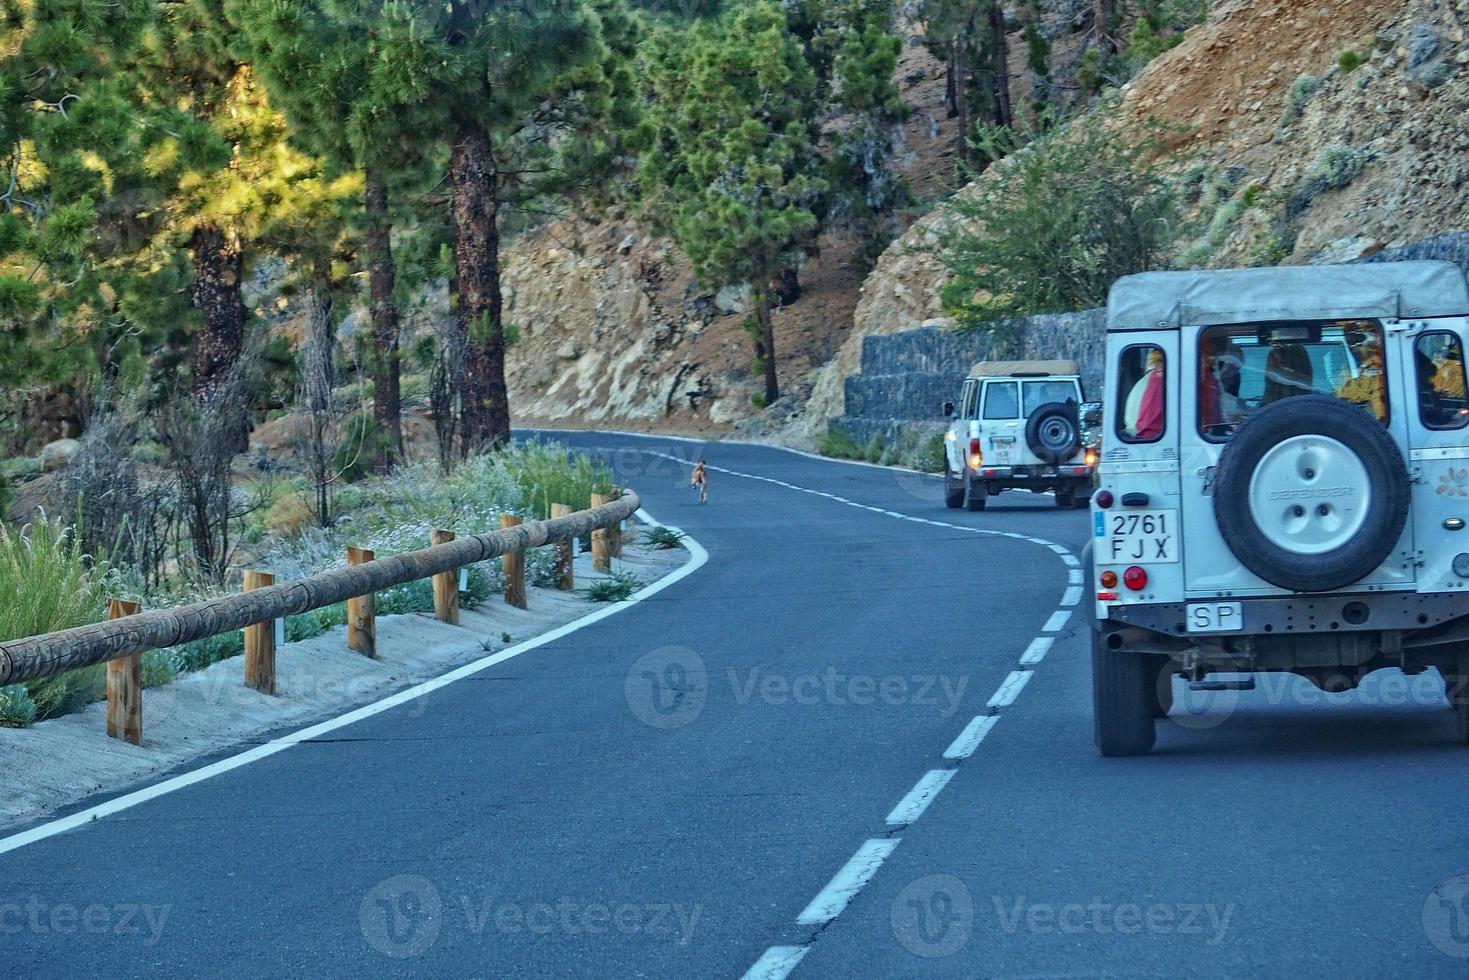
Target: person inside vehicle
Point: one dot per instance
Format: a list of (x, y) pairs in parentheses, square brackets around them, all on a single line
[(1143, 411), (1287, 373), (1219, 380)]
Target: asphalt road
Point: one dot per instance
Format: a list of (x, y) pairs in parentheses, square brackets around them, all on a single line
[(777, 761)]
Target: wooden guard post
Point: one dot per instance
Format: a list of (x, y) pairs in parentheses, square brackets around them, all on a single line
[(446, 585), (514, 565), (615, 531), (565, 576), (601, 541), (362, 611), (260, 642), (125, 684)]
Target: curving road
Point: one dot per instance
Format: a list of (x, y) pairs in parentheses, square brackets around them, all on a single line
[(856, 742)]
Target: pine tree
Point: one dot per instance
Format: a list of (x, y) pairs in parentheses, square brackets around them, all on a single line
[(969, 35), (732, 168), (342, 73)]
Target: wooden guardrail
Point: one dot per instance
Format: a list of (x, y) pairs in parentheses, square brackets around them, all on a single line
[(129, 636)]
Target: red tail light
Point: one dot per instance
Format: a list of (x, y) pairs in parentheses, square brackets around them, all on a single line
[(975, 456), (1135, 579), (1102, 498)]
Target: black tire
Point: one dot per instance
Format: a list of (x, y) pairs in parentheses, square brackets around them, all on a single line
[(1162, 687), (975, 495), (953, 491), (1387, 510), (1065, 500), (1122, 700), (1053, 432), (1456, 686)]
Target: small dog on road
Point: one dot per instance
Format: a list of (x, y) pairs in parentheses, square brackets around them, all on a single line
[(700, 481)]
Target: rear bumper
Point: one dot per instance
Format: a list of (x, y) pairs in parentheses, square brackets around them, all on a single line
[(1040, 477), (1306, 614)]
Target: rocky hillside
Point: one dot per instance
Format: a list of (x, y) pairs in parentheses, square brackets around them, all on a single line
[(1305, 130), (1310, 130)]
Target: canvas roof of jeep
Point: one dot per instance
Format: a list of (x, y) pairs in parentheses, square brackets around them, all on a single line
[(1023, 369), (1392, 290)]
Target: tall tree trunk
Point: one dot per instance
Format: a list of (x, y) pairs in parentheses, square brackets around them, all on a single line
[(951, 81), (381, 278), (767, 341), (961, 95), (486, 404), (320, 341), (1106, 23), (1000, 54), (219, 269)]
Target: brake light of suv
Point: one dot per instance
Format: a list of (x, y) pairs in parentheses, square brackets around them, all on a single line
[(976, 458)]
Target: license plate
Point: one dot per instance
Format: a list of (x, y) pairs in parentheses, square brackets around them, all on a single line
[(1137, 537), (1214, 617)]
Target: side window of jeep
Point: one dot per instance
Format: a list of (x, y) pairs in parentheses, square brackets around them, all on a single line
[(1438, 360), (1141, 393), (971, 401), (1001, 400)]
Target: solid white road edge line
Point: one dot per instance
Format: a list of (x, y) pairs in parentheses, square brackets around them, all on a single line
[(911, 807), (697, 559), (777, 963), (859, 869)]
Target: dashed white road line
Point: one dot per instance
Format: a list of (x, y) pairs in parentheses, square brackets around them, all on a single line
[(911, 807), (1010, 689), (858, 871), (974, 732), (1037, 650), (777, 963), (1072, 596), (1057, 622)]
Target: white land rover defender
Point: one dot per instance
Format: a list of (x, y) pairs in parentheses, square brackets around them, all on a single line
[(1018, 426), (1284, 485)]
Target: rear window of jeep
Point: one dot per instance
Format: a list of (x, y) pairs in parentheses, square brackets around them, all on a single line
[(1244, 367)]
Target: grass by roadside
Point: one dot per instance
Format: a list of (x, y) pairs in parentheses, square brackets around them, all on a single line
[(913, 451)]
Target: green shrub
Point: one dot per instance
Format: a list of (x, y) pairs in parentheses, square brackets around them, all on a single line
[(616, 587), (1336, 167), (1300, 93), (1054, 225), (664, 537), (933, 457), (547, 473), (874, 450), (1350, 60), (838, 445), (16, 707), (49, 583), (758, 398)]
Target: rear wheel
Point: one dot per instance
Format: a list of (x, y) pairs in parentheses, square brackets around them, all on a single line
[(1162, 687), (1065, 499), (1123, 698), (975, 495), (953, 491), (1456, 684)]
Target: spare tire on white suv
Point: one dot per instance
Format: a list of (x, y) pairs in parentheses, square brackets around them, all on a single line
[(1311, 494)]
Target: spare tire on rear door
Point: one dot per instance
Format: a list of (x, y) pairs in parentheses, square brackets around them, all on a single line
[(1053, 432), (1311, 494)]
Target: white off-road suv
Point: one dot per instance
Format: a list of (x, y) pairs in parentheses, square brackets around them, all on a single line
[(1284, 485), (1018, 425)]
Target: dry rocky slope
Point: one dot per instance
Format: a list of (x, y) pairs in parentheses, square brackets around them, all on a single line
[(1262, 115)]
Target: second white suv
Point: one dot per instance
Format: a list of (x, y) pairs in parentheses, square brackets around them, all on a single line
[(1018, 425)]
